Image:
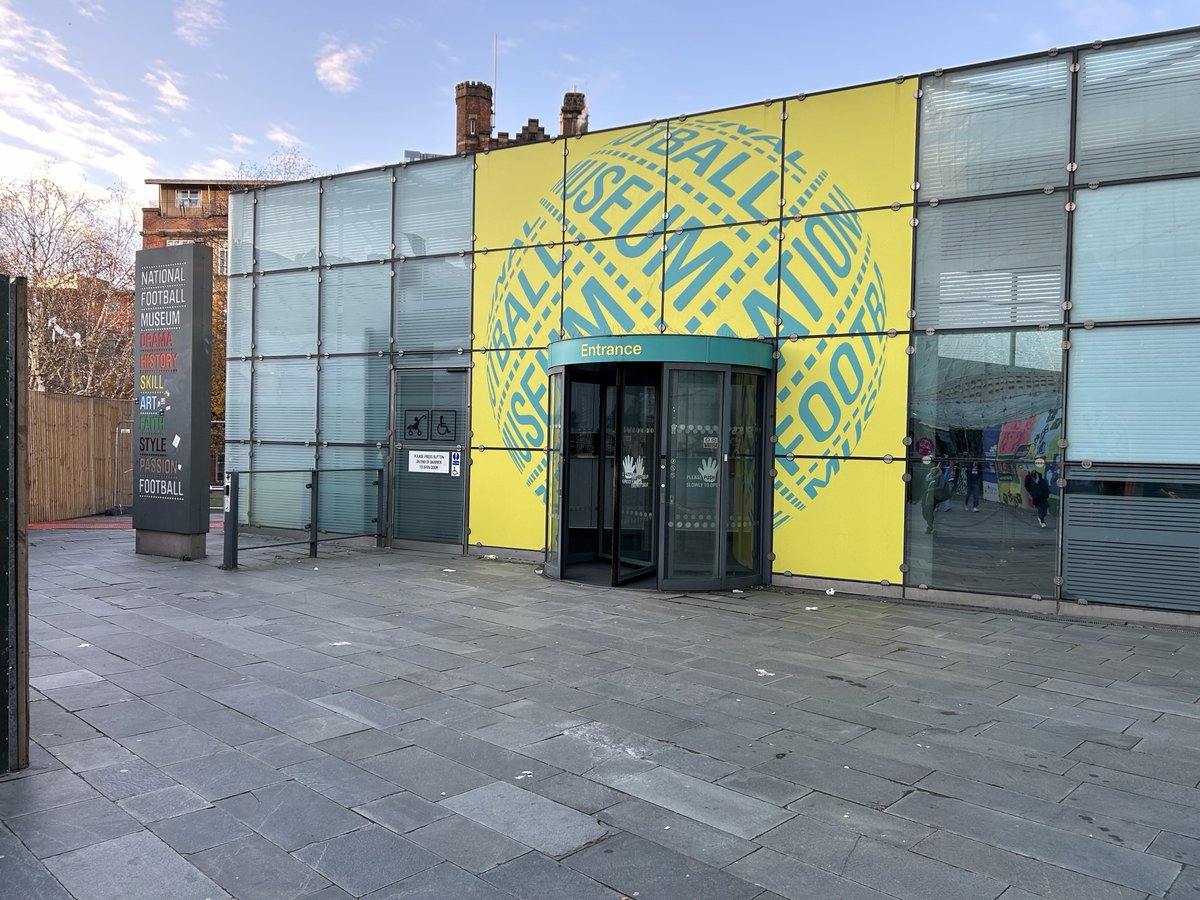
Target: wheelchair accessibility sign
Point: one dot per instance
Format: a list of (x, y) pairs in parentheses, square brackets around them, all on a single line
[(455, 463)]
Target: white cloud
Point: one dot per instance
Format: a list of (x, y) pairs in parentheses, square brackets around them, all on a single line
[(336, 65), (166, 85), (241, 141), (197, 20), (89, 9), (93, 134), (280, 135)]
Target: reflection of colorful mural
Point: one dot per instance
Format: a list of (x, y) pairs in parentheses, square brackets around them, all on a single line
[(1019, 446)]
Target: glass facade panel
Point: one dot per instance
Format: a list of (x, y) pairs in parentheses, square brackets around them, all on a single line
[(354, 399), (349, 489), (1002, 128), (237, 400), (987, 394), (286, 236), (1133, 394), (1136, 253), (356, 305), (278, 494), (239, 305), (991, 262), (285, 314), (431, 414), (285, 392), (1131, 535), (356, 218), (433, 304), (1005, 542), (433, 207), (1137, 109), (241, 232)]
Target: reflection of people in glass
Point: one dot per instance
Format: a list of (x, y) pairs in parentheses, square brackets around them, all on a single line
[(936, 491), (974, 485), (950, 471), (1039, 494)]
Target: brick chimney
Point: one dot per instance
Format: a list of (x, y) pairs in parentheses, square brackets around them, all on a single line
[(473, 121), (573, 119)]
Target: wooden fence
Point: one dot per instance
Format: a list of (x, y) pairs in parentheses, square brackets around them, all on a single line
[(80, 456)]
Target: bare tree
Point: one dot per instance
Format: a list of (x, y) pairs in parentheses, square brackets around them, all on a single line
[(285, 164), (78, 253)]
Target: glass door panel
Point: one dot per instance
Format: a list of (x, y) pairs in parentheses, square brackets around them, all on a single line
[(694, 457), (743, 551), (636, 463), (582, 475)]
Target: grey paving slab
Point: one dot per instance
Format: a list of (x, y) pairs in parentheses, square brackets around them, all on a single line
[(63, 828), (1066, 850), (290, 814), (195, 831), (360, 744), (133, 867), (253, 868), (340, 781), (424, 773), (33, 793), (542, 824), (632, 865), (792, 878), (23, 875), (466, 843), (687, 836), (571, 790), (119, 720), (223, 774), (402, 812), (722, 808), (367, 860), (439, 883), (163, 803), (126, 779), (535, 876), (91, 754)]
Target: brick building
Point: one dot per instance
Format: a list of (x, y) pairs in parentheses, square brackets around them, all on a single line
[(475, 120)]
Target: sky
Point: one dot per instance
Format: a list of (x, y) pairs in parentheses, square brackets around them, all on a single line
[(112, 92)]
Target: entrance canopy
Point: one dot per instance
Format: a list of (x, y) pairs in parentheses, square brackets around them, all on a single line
[(681, 348)]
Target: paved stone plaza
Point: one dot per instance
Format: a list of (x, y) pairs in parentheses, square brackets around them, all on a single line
[(391, 724)]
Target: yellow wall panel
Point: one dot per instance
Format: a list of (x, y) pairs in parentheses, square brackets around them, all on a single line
[(854, 531), (509, 398), (851, 149), (722, 281), (846, 273), (843, 396), (612, 287), (616, 182), (508, 505), (518, 196)]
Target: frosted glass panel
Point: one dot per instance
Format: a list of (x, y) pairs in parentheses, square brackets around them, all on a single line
[(241, 233), (433, 304), (991, 262), (285, 392), (287, 227), (237, 328), (285, 314), (356, 218), (356, 309), (996, 129), (348, 495), (279, 499), (1137, 252), (433, 207), (354, 399), (237, 400), (1133, 394), (1138, 110)]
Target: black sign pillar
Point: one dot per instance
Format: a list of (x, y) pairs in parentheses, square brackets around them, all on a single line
[(172, 395)]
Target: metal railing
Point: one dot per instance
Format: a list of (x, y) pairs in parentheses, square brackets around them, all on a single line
[(278, 515)]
